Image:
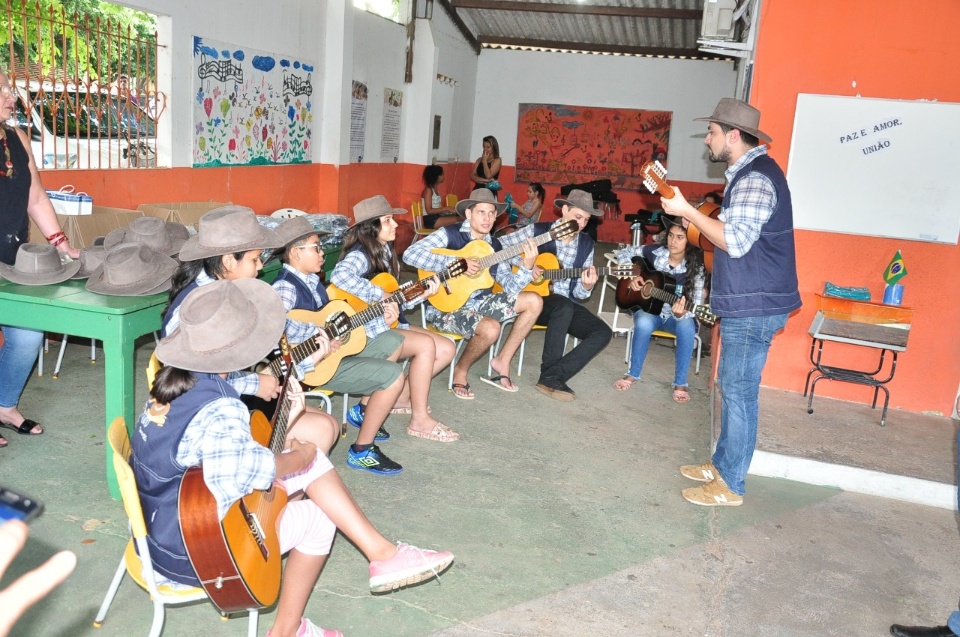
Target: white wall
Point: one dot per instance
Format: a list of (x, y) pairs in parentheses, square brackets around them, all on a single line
[(688, 88), (454, 59)]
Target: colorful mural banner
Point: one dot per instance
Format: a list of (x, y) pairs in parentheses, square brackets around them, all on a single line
[(251, 108), (559, 144)]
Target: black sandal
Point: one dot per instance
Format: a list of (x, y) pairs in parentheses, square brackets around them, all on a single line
[(25, 428)]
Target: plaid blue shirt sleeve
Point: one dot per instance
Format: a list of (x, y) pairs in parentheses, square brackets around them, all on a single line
[(347, 276), (297, 331), (244, 382), (419, 255), (749, 205), (234, 464), (625, 255)]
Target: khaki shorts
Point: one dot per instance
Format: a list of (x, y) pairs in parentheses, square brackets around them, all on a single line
[(369, 371)]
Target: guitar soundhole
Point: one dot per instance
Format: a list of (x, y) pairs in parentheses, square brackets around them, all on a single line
[(647, 290), (345, 339)]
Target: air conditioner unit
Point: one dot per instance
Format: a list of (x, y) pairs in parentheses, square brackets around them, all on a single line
[(718, 20)]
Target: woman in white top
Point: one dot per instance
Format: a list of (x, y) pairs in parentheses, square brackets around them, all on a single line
[(435, 214)]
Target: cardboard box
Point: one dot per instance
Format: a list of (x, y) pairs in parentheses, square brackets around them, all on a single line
[(186, 212), (82, 230)]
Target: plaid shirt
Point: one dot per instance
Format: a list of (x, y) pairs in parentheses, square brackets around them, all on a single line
[(348, 276), (298, 331), (566, 255), (419, 255), (751, 204), (234, 464), (660, 256), (244, 382)]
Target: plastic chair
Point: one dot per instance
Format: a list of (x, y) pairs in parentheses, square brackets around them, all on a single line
[(153, 368), (140, 566), (63, 348), (419, 231), (287, 213), (452, 200)]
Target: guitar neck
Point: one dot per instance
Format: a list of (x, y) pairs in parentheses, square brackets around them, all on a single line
[(574, 273), (508, 253), (666, 297)]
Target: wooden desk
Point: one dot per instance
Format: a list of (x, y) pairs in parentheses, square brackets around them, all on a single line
[(117, 321), (854, 333)]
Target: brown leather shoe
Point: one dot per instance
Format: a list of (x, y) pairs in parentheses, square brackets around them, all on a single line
[(921, 631)]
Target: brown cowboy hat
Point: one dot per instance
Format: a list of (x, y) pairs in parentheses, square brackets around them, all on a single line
[(480, 195), (166, 237), (579, 199), (90, 259), (226, 230), (739, 115), (225, 326), (132, 269), (670, 220), (296, 229), (38, 264), (373, 208)]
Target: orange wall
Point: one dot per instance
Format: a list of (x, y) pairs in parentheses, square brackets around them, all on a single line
[(823, 46)]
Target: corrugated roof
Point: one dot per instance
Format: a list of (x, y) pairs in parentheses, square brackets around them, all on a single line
[(633, 27)]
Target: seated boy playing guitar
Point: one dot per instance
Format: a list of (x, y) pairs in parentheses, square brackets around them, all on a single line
[(480, 319)]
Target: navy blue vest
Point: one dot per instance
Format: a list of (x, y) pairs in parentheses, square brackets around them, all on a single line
[(584, 246), (457, 240), (305, 299), (171, 310), (14, 197), (154, 462), (763, 282)]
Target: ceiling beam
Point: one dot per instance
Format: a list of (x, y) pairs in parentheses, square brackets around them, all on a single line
[(598, 48), (461, 26), (579, 9)]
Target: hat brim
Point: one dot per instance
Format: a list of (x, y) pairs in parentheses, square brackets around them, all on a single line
[(9, 273), (392, 211), (247, 351), (559, 203), (759, 134), (193, 250), (469, 203), (150, 285)]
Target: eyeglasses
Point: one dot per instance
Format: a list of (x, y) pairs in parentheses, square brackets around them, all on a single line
[(311, 246)]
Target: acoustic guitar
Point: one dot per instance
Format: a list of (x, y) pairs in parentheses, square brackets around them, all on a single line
[(658, 288), (453, 296), (654, 179), (552, 271), (238, 559)]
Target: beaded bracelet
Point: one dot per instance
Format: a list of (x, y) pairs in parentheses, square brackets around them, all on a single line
[(57, 238)]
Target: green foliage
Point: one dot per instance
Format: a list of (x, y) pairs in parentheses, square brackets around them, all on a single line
[(82, 39)]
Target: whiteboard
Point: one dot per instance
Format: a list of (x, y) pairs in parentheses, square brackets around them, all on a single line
[(886, 168)]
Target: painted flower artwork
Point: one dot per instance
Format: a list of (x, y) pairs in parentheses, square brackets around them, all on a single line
[(250, 108)]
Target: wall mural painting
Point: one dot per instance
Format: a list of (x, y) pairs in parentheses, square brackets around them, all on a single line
[(559, 144), (250, 108)]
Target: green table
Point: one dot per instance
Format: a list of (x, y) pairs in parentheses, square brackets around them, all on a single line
[(117, 321)]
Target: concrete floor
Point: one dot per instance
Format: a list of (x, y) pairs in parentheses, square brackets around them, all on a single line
[(566, 518)]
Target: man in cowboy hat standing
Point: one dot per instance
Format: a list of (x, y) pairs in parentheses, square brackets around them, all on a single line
[(563, 312), (481, 317), (754, 287)]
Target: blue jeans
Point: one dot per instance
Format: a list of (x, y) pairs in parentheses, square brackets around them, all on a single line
[(645, 324), (17, 356), (744, 346)]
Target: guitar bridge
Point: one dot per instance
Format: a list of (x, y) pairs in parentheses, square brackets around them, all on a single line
[(256, 530)]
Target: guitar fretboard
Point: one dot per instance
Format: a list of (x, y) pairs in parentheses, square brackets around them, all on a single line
[(512, 251), (574, 273), (666, 297)]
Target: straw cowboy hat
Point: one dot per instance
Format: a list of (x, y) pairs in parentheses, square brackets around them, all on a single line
[(38, 264), (739, 115), (296, 229), (90, 259), (132, 269), (480, 195), (374, 208), (225, 326), (226, 230), (166, 237), (579, 199)]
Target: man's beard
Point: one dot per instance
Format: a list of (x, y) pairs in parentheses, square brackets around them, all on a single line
[(722, 157)]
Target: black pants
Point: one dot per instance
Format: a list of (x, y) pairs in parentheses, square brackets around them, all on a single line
[(561, 316)]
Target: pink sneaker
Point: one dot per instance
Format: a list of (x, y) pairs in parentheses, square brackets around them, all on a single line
[(308, 629), (409, 566)]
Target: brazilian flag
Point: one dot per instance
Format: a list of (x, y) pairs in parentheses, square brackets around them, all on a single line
[(896, 270)]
